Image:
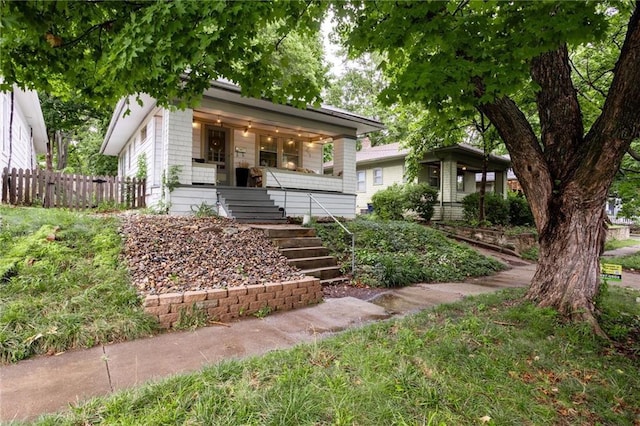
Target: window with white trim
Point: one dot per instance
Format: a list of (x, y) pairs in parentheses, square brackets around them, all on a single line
[(377, 176), (361, 183)]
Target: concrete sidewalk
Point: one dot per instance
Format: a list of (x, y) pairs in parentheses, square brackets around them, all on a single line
[(49, 384)]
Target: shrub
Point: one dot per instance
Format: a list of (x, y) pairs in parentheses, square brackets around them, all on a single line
[(420, 197), (388, 204), (496, 208), (519, 211)]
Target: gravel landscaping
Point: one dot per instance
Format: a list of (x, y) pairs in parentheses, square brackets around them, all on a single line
[(168, 254)]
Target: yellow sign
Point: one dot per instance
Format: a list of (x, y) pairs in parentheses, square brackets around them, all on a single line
[(611, 272)]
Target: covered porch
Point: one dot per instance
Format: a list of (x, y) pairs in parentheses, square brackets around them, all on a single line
[(454, 170)]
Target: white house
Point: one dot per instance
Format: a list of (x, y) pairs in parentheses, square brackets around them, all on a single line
[(279, 144), (452, 170), (23, 134)]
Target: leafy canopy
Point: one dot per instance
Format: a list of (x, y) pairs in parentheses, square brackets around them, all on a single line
[(438, 52), (169, 50)]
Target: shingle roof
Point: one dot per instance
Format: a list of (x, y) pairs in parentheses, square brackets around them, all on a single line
[(390, 151)]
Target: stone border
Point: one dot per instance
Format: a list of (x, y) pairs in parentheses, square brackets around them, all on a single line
[(225, 304)]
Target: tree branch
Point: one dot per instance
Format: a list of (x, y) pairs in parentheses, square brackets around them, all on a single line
[(618, 125), (527, 158), (559, 111)]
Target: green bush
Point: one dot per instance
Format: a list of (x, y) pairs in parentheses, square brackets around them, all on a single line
[(420, 197), (519, 211), (496, 208), (398, 253), (388, 204)]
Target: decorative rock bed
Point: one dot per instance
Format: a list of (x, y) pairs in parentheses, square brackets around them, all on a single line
[(227, 303), (225, 269)]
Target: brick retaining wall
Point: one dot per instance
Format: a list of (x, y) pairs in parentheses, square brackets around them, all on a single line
[(227, 303)]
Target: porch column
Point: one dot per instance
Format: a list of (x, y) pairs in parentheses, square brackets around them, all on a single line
[(177, 135), (501, 184), (344, 161)]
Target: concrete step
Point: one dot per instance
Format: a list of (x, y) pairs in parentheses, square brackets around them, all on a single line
[(334, 281), (313, 262), (254, 209), (289, 232), (263, 220), (297, 242), (302, 252), (257, 215), (244, 194), (323, 273)]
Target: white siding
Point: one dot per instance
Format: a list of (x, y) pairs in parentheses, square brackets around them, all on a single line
[(344, 161), (243, 143), (184, 198), (158, 151), (296, 180), (392, 172), (20, 149), (177, 132), (312, 156), (339, 205)]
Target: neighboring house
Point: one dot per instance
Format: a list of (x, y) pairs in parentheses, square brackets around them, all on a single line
[(279, 144), (452, 170), (23, 134), (377, 168)]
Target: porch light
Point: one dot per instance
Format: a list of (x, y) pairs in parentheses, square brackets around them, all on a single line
[(195, 124), (269, 138), (249, 124), (245, 132), (290, 142), (277, 130), (218, 120), (464, 167)]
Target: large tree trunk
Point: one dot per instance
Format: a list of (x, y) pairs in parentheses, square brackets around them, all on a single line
[(566, 174), (568, 273)]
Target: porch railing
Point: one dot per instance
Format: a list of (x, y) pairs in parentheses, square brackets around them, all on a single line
[(313, 199), (280, 186)]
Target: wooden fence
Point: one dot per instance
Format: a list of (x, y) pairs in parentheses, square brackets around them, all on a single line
[(55, 189)]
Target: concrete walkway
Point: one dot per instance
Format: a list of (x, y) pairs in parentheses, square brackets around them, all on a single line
[(49, 384)]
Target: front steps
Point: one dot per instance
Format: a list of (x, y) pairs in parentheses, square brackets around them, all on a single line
[(304, 250), (250, 205)]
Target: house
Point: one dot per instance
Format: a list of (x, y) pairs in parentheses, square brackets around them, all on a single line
[(377, 168), (205, 153), (23, 134), (451, 169)]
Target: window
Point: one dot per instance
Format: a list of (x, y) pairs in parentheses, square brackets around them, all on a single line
[(377, 176), (460, 181), (361, 185), (434, 176), (143, 134), (290, 154), (270, 147), (268, 151), (215, 146)]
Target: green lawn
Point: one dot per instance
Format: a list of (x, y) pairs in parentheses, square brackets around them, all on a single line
[(486, 360), (616, 244), (398, 253), (62, 285)]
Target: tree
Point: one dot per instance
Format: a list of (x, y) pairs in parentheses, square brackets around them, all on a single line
[(477, 55), (170, 50), (65, 120)]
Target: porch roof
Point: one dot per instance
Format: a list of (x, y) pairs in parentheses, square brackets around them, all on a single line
[(122, 127)]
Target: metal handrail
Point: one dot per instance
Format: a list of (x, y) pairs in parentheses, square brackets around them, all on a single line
[(281, 187), (353, 239)]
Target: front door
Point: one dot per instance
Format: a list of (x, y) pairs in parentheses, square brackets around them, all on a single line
[(216, 151)]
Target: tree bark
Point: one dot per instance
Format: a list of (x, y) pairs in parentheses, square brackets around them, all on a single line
[(566, 175)]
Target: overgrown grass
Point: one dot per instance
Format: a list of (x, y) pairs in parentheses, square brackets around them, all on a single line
[(395, 253), (616, 244), (627, 262), (62, 285), (491, 359)]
